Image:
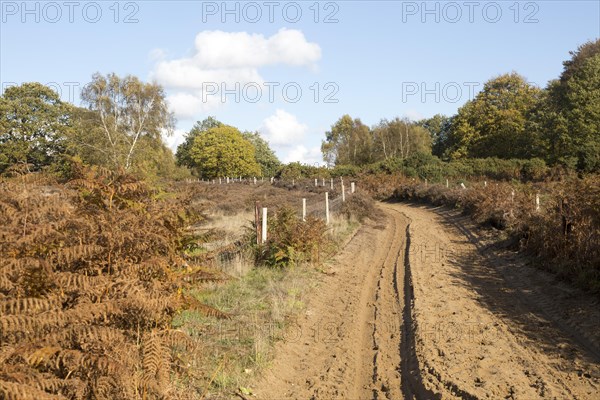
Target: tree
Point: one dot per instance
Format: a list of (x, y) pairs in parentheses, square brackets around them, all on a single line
[(183, 150), (87, 139), (33, 126), (128, 110), (572, 112), (438, 127), (265, 156), (548, 125), (223, 151), (348, 142), (493, 123), (399, 138)]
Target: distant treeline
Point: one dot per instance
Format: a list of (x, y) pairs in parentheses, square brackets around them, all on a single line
[(508, 119), (510, 130)]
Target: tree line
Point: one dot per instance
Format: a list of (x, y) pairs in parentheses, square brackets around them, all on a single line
[(123, 120), (509, 119), (120, 127)]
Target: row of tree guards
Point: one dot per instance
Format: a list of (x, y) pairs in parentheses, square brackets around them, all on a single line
[(512, 193), (352, 186), (228, 180), (260, 221)]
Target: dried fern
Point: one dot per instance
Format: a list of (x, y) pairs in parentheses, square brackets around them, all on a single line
[(91, 275)]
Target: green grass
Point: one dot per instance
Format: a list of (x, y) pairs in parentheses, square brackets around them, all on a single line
[(262, 304)]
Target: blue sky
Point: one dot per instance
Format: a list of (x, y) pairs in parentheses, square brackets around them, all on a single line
[(319, 60)]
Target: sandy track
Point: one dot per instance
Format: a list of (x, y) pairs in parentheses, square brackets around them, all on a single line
[(416, 306)]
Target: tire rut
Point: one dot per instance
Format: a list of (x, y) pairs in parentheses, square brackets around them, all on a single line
[(416, 328)]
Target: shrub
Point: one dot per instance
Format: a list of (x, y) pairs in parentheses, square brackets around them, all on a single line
[(345, 170), (292, 241), (534, 170), (359, 206), (296, 170)]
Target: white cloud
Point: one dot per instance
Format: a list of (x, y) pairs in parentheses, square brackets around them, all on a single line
[(283, 129), (185, 105), (304, 155), (185, 74), (228, 58), (218, 49), (189, 105)]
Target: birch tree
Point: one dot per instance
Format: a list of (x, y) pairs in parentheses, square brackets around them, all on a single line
[(128, 109)]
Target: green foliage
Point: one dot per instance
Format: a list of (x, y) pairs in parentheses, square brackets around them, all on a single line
[(263, 154), (399, 138), (348, 142), (567, 118), (156, 162), (266, 158), (296, 170), (292, 241), (579, 100), (351, 143), (152, 158), (344, 170), (509, 119), (223, 151), (438, 127), (493, 124), (293, 170), (126, 111), (427, 166), (183, 150), (33, 126), (534, 169)]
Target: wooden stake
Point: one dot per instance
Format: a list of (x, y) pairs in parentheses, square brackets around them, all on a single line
[(264, 225), (327, 208), (303, 209)]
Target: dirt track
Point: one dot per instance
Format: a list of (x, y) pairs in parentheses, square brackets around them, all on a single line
[(418, 306)]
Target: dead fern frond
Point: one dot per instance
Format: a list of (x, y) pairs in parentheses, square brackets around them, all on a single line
[(17, 391), (27, 305), (156, 364), (78, 252), (80, 282)]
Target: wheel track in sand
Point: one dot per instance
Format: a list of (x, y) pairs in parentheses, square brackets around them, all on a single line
[(383, 300)]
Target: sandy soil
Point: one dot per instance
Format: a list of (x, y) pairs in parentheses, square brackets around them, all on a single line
[(420, 305)]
